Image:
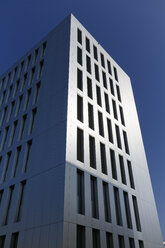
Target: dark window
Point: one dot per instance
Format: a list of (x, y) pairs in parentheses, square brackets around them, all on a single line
[(115, 73), (16, 161), (94, 198), (97, 73), (106, 202), (8, 205), (98, 93), (113, 164), (1, 196), (79, 36), (80, 145), (122, 170), (21, 68), (95, 52), (21, 135), (109, 67), (90, 116), (92, 152), (104, 79), (80, 192), (6, 166), (79, 55), (11, 111), (9, 93), (131, 243), (14, 240), (122, 115), (102, 60), (100, 122), (79, 79), (33, 115), (118, 93), (96, 238), (87, 45), (114, 110), (109, 240), (20, 201), (2, 241), (136, 211), (107, 103), (80, 236), (88, 64), (40, 70), (121, 241), (27, 98), (24, 82), (4, 138), (117, 207), (35, 55), (130, 173), (19, 105), (110, 134), (126, 142), (16, 88), (28, 62), (89, 88), (27, 156), (37, 92), (103, 159), (3, 116), (141, 244), (14, 73), (118, 136), (127, 210), (80, 108), (43, 49)]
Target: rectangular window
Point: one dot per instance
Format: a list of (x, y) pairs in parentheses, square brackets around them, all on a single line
[(8, 79), (111, 87), (14, 240), (14, 74), (79, 55), (97, 77), (109, 127), (16, 161), (27, 156), (98, 94), (1, 196), (106, 202), (79, 79), (122, 116), (95, 52), (103, 159), (90, 116), (79, 36), (3, 97), (80, 236), (127, 210), (28, 62), (131, 243), (130, 173), (113, 164), (117, 207), (80, 192), (141, 244), (104, 79), (122, 170), (9, 93), (10, 111), (33, 72), (2, 83), (114, 110), (94, 198), (27, 98), (96, 238), (109, 67), (118, 136), (8, 205), (43, 49), (79, 108), (100, 122), (88, 64), (18, 105), (4, 138), (107, 103), (115, 73), (118, 93), (102, 60), (121, 241), (36, 96), (2, 241), (24, 80), (136, 212), (20, 201), (33, 115), (21, 134), (80, 145), (89, 88), (21, 68), (109, 240), (3, 115), (126, 142), (87, 44), (92, 152), (6, 166), (40, 70), (16, 88), (35, 55)]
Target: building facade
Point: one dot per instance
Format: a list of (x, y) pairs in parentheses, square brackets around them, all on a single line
[(73, 169)]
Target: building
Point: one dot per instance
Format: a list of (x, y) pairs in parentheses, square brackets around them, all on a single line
[(73, 167)]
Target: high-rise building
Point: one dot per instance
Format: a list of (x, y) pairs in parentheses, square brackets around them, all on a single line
[(73, 171)]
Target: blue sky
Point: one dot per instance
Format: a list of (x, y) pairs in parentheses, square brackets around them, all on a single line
[(131, 31)]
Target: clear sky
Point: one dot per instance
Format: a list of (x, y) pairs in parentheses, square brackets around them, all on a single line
[(131, 31)]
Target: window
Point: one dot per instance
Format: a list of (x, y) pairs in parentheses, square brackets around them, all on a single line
[(80, 236), (118, 136), (121, 241), (14, 73), (18, 105), (21, 134), (6, 166), (79, 108), (24, 82), (104, 79), (35, 55), (90, 116), (80, 192), (33, 71), (3, 116), (110, 134), (79, 79), (114, 110), (28, 62), (36, 96), (118, 93), (88, 64), (107, 103), (98, 94), (130, 173), (8, 79), (16, 88), (16, 161), (79, 55), (109, 240), (92, 152), (106, 202), (100, 122), (94, 198), (122, 116), (20, 201), (27, 155), (102, 60), (1, 196), (2, 241), (97, 73), (117, 207), (14, 240), (131, 243), (27, 98), (9, 93), (96, 238), (136, 212), (43, 49), (126, 142), (3, 97), (103, 159), (95, 52), (127, 210), (141, 244), (111, 87), (113, 164), (115, 73), (89, 88), (80, 145), (109, 67), (11, 111), (8, 205), (33, 115), (40, 70), (4, 138), (122, 170), (87, 45), (21, 68), (79, 36)]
